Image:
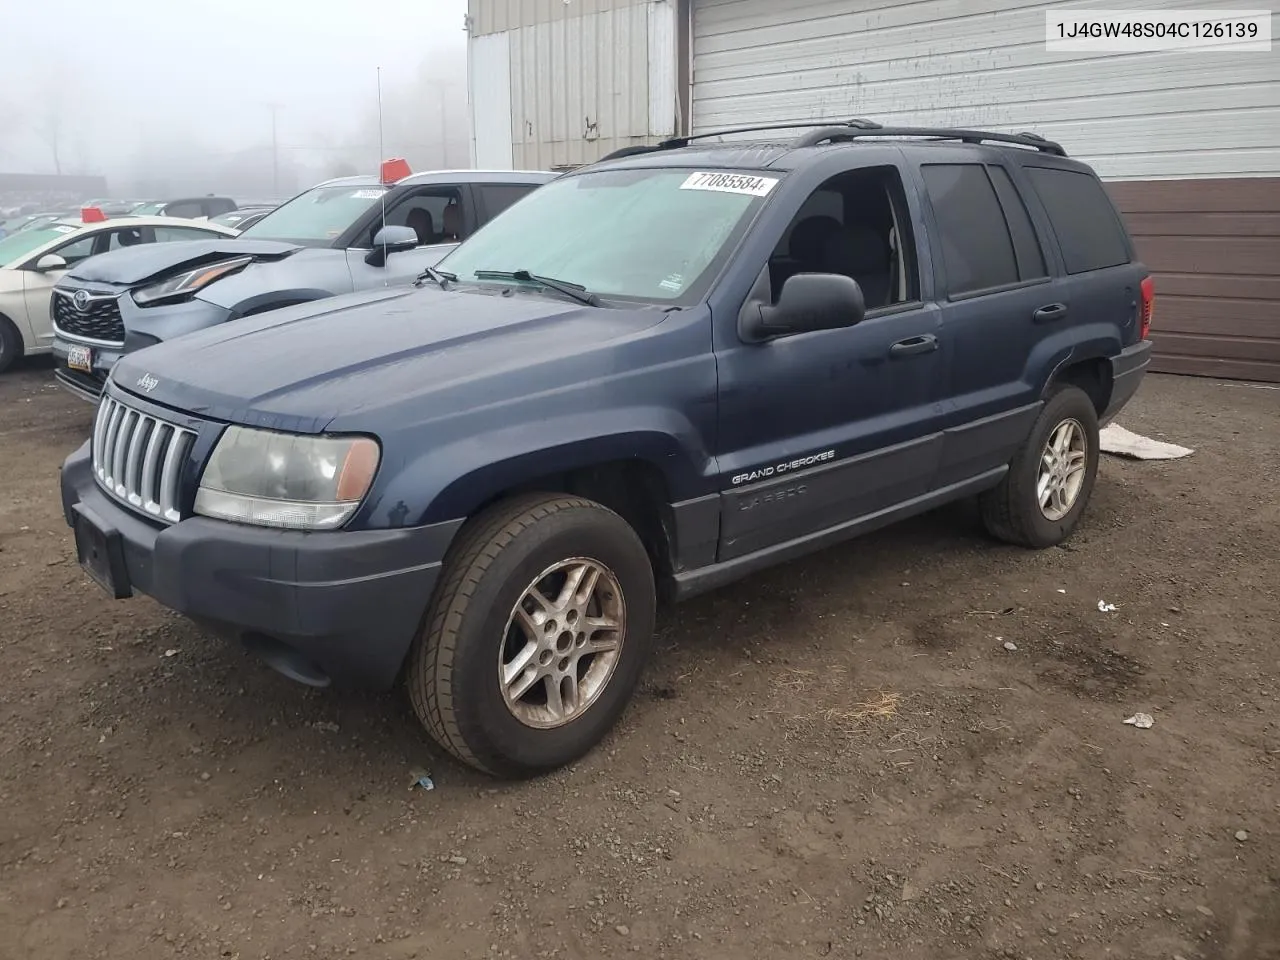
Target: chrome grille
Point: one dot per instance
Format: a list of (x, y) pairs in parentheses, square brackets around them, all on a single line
[(99, 319), (138, 458)]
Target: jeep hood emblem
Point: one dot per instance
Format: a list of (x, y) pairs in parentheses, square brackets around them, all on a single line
[(146, 383)]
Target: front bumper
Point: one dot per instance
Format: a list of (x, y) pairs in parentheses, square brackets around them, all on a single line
[(85, 384), (1127, 371), (347, 602)]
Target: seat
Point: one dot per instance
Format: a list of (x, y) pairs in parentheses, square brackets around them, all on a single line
[(451, 231), (423, 225), (805, 250), (862, 253)]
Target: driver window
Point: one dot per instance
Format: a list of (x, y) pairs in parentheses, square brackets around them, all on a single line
[(77, 250), (435, 214), (851, 225)]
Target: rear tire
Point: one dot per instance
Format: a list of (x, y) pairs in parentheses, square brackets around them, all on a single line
[(513, 673), (11, 346), (1041, 499)]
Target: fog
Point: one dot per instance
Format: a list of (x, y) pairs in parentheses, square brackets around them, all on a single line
[(164, 98)]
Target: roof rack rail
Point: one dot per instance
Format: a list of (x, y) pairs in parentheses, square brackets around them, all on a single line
[(837, 131), (676, 143), (840, 133)]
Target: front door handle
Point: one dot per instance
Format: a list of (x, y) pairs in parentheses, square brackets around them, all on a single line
[(1050, 313), (914, 346)]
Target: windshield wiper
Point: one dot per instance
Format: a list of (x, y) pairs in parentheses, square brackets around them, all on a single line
[(575, 290), (442, 277)]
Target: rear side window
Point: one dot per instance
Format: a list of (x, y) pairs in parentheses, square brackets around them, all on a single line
[(1084, 221), (187, 209), (499, 196), (1025, 243), (977, 251)]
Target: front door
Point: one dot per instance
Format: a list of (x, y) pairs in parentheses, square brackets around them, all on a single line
[(441, 216), (822, 429)]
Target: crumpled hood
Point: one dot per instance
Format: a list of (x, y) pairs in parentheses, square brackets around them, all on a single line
[(132, 265), (392, 350)]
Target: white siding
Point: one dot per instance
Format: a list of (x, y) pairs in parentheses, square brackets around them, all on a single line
[(983, 63), (585, 78), (489, 92)]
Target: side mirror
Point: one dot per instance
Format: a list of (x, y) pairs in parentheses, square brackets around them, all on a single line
[(808, 302), (389, 240), (50, 262)]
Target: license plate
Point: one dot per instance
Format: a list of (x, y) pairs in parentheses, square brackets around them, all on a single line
[(80, 358), (101, 554)]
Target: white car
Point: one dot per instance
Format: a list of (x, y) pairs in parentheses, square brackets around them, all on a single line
[(32, 261)]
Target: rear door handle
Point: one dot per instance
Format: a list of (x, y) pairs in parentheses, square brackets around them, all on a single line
[(1050, 313), (913, 346)]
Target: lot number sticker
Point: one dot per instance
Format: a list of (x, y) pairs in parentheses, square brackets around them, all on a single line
[(730, 183)]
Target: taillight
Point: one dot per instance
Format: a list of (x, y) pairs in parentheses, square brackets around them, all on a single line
[(1148, 307)]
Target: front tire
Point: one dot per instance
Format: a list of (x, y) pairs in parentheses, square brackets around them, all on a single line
[(1041, 499), (11, 346), (537, 636)]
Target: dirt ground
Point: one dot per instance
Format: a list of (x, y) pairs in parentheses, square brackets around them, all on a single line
[(836, 758)]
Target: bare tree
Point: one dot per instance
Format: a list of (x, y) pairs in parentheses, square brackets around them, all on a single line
[(49, 123)]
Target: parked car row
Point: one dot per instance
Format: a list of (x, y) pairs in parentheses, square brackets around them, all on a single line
[(34, 259), (643, 379), (354, 233)]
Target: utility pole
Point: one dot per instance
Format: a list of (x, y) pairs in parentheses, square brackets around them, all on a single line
[(441, 88), (275, 154)]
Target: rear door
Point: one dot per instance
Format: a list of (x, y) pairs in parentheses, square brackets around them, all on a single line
[(998, 303), (1100, 282)]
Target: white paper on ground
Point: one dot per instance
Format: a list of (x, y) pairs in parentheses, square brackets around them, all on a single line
[(1125, 443)]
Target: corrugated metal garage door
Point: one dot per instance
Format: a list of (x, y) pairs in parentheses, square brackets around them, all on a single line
[(1158, 121)]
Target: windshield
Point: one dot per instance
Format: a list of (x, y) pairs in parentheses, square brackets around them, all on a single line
[(318, 216), (18, 245), (147, 210), (653, 235)]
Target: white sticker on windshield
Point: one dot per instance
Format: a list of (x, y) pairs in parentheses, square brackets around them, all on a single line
[(65, 228), (730, 183), (366, 195)]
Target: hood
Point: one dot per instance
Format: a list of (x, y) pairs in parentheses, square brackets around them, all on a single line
[(132, 265), (301, 367)]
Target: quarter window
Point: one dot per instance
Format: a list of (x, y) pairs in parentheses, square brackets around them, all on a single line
[(1084, 221)]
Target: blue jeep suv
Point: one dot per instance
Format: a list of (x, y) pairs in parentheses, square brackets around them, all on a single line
[(646, 379)]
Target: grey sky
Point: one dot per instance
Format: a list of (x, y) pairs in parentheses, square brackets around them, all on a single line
[(134, 76)]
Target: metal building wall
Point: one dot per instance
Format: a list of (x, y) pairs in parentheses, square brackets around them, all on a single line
[(581, 78)]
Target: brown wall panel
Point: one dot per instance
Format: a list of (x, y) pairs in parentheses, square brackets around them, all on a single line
[(1227, 195), (1214, 247), (1227, 348), (1232, 256), (1204, 224)]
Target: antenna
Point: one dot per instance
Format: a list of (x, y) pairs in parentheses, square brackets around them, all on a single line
[(383, 199)]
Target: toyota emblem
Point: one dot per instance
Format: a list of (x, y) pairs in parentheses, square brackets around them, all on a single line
[(81, 300)]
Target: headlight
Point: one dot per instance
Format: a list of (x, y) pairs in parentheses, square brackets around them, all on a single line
[(286, 480), (185, 284)]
